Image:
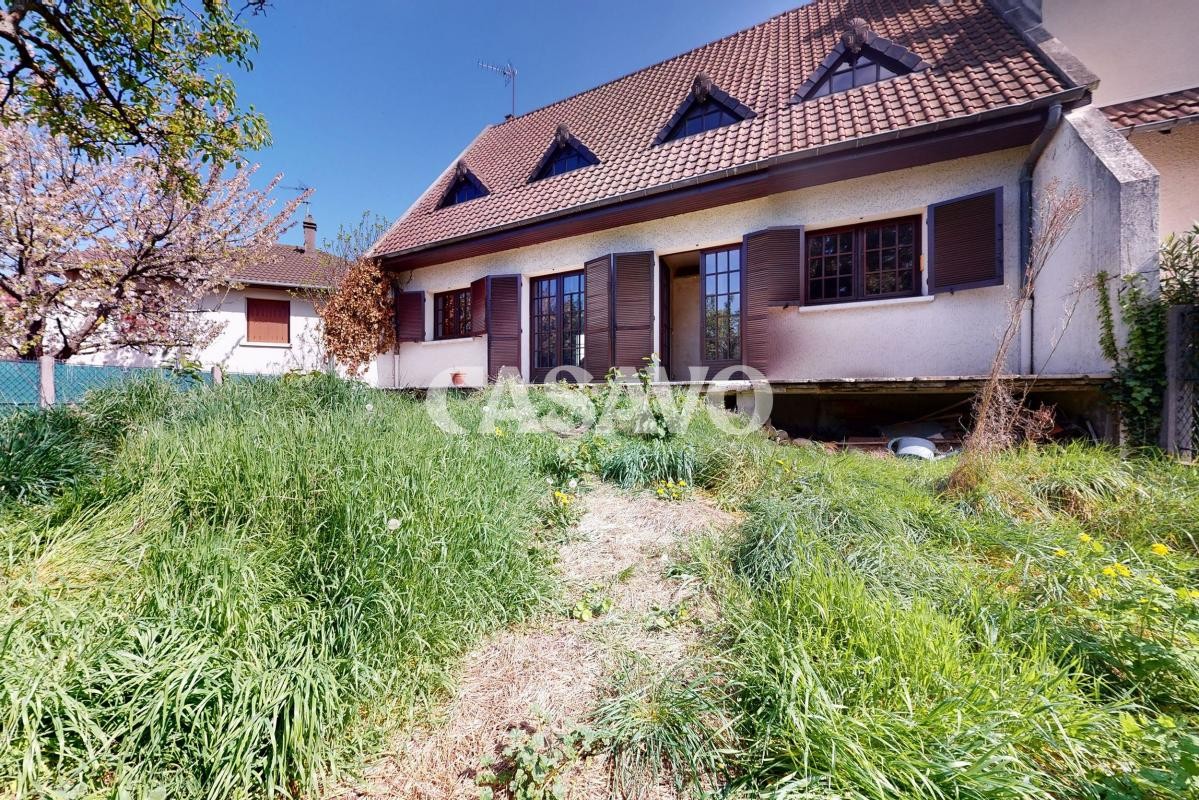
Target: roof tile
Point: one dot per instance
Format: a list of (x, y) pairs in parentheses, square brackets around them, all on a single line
[(976, 63), (1163, 108)]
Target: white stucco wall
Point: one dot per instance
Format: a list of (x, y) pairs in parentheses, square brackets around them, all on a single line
[(951, 334), (1116, 232), (234, 353), (1175, 155), (231, 351), (1138, 49)]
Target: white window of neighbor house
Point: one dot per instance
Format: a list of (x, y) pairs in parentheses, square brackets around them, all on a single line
[(268, 321)]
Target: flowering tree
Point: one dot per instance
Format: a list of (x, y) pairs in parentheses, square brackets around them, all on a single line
[(116, 74), (102, 254)]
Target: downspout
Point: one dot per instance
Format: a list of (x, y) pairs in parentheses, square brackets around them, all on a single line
[(1052, 120)]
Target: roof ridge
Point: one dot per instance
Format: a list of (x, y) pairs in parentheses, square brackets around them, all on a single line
[(676, 57)]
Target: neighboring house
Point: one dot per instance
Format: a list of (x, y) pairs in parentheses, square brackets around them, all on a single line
[(268, 322), (841, 203), (1143, 55)]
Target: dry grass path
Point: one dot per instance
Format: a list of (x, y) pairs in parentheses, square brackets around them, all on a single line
[(557, 668)]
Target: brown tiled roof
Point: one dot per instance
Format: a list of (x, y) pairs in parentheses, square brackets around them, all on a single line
[(1156, 111), (288, 265), (976, 63)]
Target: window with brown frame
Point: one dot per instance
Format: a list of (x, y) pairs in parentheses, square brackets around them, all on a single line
[(556, 310), (720, 271), (451, 314), (871, 261), (268, 321)]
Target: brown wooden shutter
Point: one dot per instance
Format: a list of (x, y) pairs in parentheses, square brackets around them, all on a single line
[(597, 323), (268, 321), (633, 303), (410, 316), (965, 242), (478, 307), (502, 323), (772, 275)]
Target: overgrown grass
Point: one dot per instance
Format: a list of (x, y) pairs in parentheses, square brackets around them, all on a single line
[(238, 590), (264, 577), (1037, 638)]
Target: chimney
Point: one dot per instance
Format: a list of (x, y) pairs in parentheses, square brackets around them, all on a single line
[(309, 234)]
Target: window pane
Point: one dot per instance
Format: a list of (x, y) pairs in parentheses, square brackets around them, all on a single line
[(841, 81)]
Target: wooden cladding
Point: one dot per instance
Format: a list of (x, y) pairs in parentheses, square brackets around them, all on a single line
[(410, 316), (268, 321), (965, 242), (478, 307), (597, 326), (619, 312), (633, 312), (503, 324), (773, 275)]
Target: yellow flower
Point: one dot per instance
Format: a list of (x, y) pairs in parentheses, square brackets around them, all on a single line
[(1082, 537), (500, 431), (1159, 549), (1096, 592), (1122, 570), (682, 483), (1194, 593), (1096, 547), (1060, 553), (1109, 572)]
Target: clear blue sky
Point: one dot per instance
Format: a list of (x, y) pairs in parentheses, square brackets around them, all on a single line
[(370, 100)]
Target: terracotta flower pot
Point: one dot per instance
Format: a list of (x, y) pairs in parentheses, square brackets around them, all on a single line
[(458, 378)]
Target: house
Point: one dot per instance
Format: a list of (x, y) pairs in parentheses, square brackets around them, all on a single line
[(268, 322), (1143, 57), (841, 200)]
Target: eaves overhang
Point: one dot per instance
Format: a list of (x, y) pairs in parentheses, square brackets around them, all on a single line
[(972, 134)]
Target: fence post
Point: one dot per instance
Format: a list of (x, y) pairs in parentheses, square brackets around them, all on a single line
[(45, 390), (218, 375)]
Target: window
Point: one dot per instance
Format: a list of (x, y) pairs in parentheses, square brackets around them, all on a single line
[(451, 314), (557, 322), (564, 158), (463, 188), (865, 262), (461, 191), (720, 271), (701, 117), (856, 69), (268, 321)]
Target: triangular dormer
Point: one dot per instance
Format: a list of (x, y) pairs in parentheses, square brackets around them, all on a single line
[(706, 107), (565, 154), (465, 186), (861, 57)]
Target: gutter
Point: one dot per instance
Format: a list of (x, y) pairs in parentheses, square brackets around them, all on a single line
[(1052, 122), (1065, 97), (1161, 125)]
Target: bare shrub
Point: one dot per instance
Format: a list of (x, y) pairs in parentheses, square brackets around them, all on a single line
[(1002, 417)]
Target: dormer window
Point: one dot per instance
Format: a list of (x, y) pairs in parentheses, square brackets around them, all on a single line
[(706, 108), (464, 187), (565, 154), (862, 58), (852, 71)]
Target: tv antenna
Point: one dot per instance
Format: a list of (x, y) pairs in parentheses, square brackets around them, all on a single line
[(301, 187), (509, 73)]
